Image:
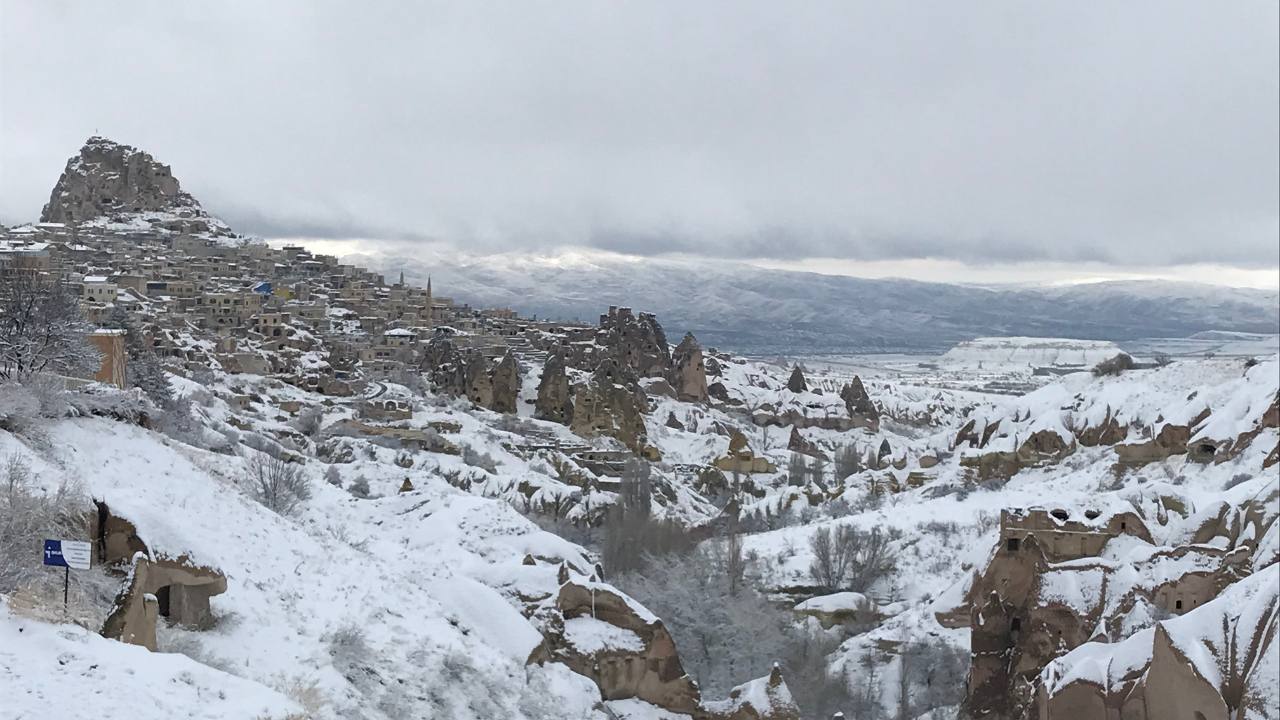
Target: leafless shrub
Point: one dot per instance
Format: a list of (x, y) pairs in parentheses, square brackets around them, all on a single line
[(1114, 366), (261, 443), (280, 486), (333, 476), (475, 458), (351, 656), (309, 421), (360, 488), (172, 639), (1237, 480), (19, 408), (1162, 359), (304, 691), (849, 558), (514, 424), (28, 516), (340, 533), (848, 461)]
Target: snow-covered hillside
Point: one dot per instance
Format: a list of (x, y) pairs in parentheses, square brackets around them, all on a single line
[(414, 581)]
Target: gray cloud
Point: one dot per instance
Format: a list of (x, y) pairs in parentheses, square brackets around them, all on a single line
[(1124, 133)]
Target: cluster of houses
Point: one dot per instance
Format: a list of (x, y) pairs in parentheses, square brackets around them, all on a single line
[(213, 303)]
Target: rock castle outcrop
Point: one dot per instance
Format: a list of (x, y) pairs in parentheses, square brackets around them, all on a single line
[(109, 179), (626, 351), (465, 372)]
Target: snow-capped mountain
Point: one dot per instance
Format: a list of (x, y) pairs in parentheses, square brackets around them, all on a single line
[(749, 309)]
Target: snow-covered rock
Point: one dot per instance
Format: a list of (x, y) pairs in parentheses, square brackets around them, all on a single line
[(1027, 353)]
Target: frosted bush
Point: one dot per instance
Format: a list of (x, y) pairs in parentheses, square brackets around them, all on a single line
[(475, 458), (278, 485)]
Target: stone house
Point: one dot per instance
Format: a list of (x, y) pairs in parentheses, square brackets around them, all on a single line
[(114, 358), (97, 289)]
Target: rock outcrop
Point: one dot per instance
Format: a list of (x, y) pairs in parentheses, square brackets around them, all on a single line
[(766, 698), (1214, 662), (797, 443), (611, 404), (636, 341), (688, 372), (505, 382), (796, 383), (555, 402), (464, 372), (176, 589), (628, 653), (109, 179), (444, 365), (861, 409), (622, 647), (1047, 591)]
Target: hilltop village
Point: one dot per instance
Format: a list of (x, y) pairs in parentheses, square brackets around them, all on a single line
[(122, 234), (474, 514)]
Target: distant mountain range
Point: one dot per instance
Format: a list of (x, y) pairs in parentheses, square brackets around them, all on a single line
[(747, 309)]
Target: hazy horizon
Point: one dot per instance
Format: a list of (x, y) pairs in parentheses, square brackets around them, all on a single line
[(1024, 144)]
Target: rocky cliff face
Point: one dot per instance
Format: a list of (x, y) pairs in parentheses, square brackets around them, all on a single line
[(636, 341), (858, 403), (611, 404), (464, 372), (506, 384), (688, 372), (555, 402), (108, 181)]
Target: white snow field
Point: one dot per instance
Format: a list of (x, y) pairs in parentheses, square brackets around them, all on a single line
[(414, 604)]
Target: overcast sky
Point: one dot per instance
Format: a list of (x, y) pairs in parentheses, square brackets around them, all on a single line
[(1112, 135)]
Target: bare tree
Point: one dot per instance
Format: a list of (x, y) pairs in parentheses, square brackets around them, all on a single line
[(830, 563), (144, 369), (41, 329), (735, 566), (848, 461), (277, 484), (1114, 366), (637, 487), (309, 421), (849, 558), (632, 536), (871, 558), (27, 516), (797, 470)]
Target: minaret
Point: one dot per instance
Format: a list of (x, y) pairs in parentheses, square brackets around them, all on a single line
[(401, 283), (430, 305)]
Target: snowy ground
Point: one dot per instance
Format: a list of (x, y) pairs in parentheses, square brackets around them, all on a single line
[(410, 604)]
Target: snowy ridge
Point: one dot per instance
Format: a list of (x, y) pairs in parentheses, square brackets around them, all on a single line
[(749, 309), (1028, 353)]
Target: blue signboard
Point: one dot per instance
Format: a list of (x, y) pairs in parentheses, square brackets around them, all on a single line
[(53, 553), (67, 553)]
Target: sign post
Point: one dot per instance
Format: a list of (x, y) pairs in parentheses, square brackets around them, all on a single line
[(67, 554)]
